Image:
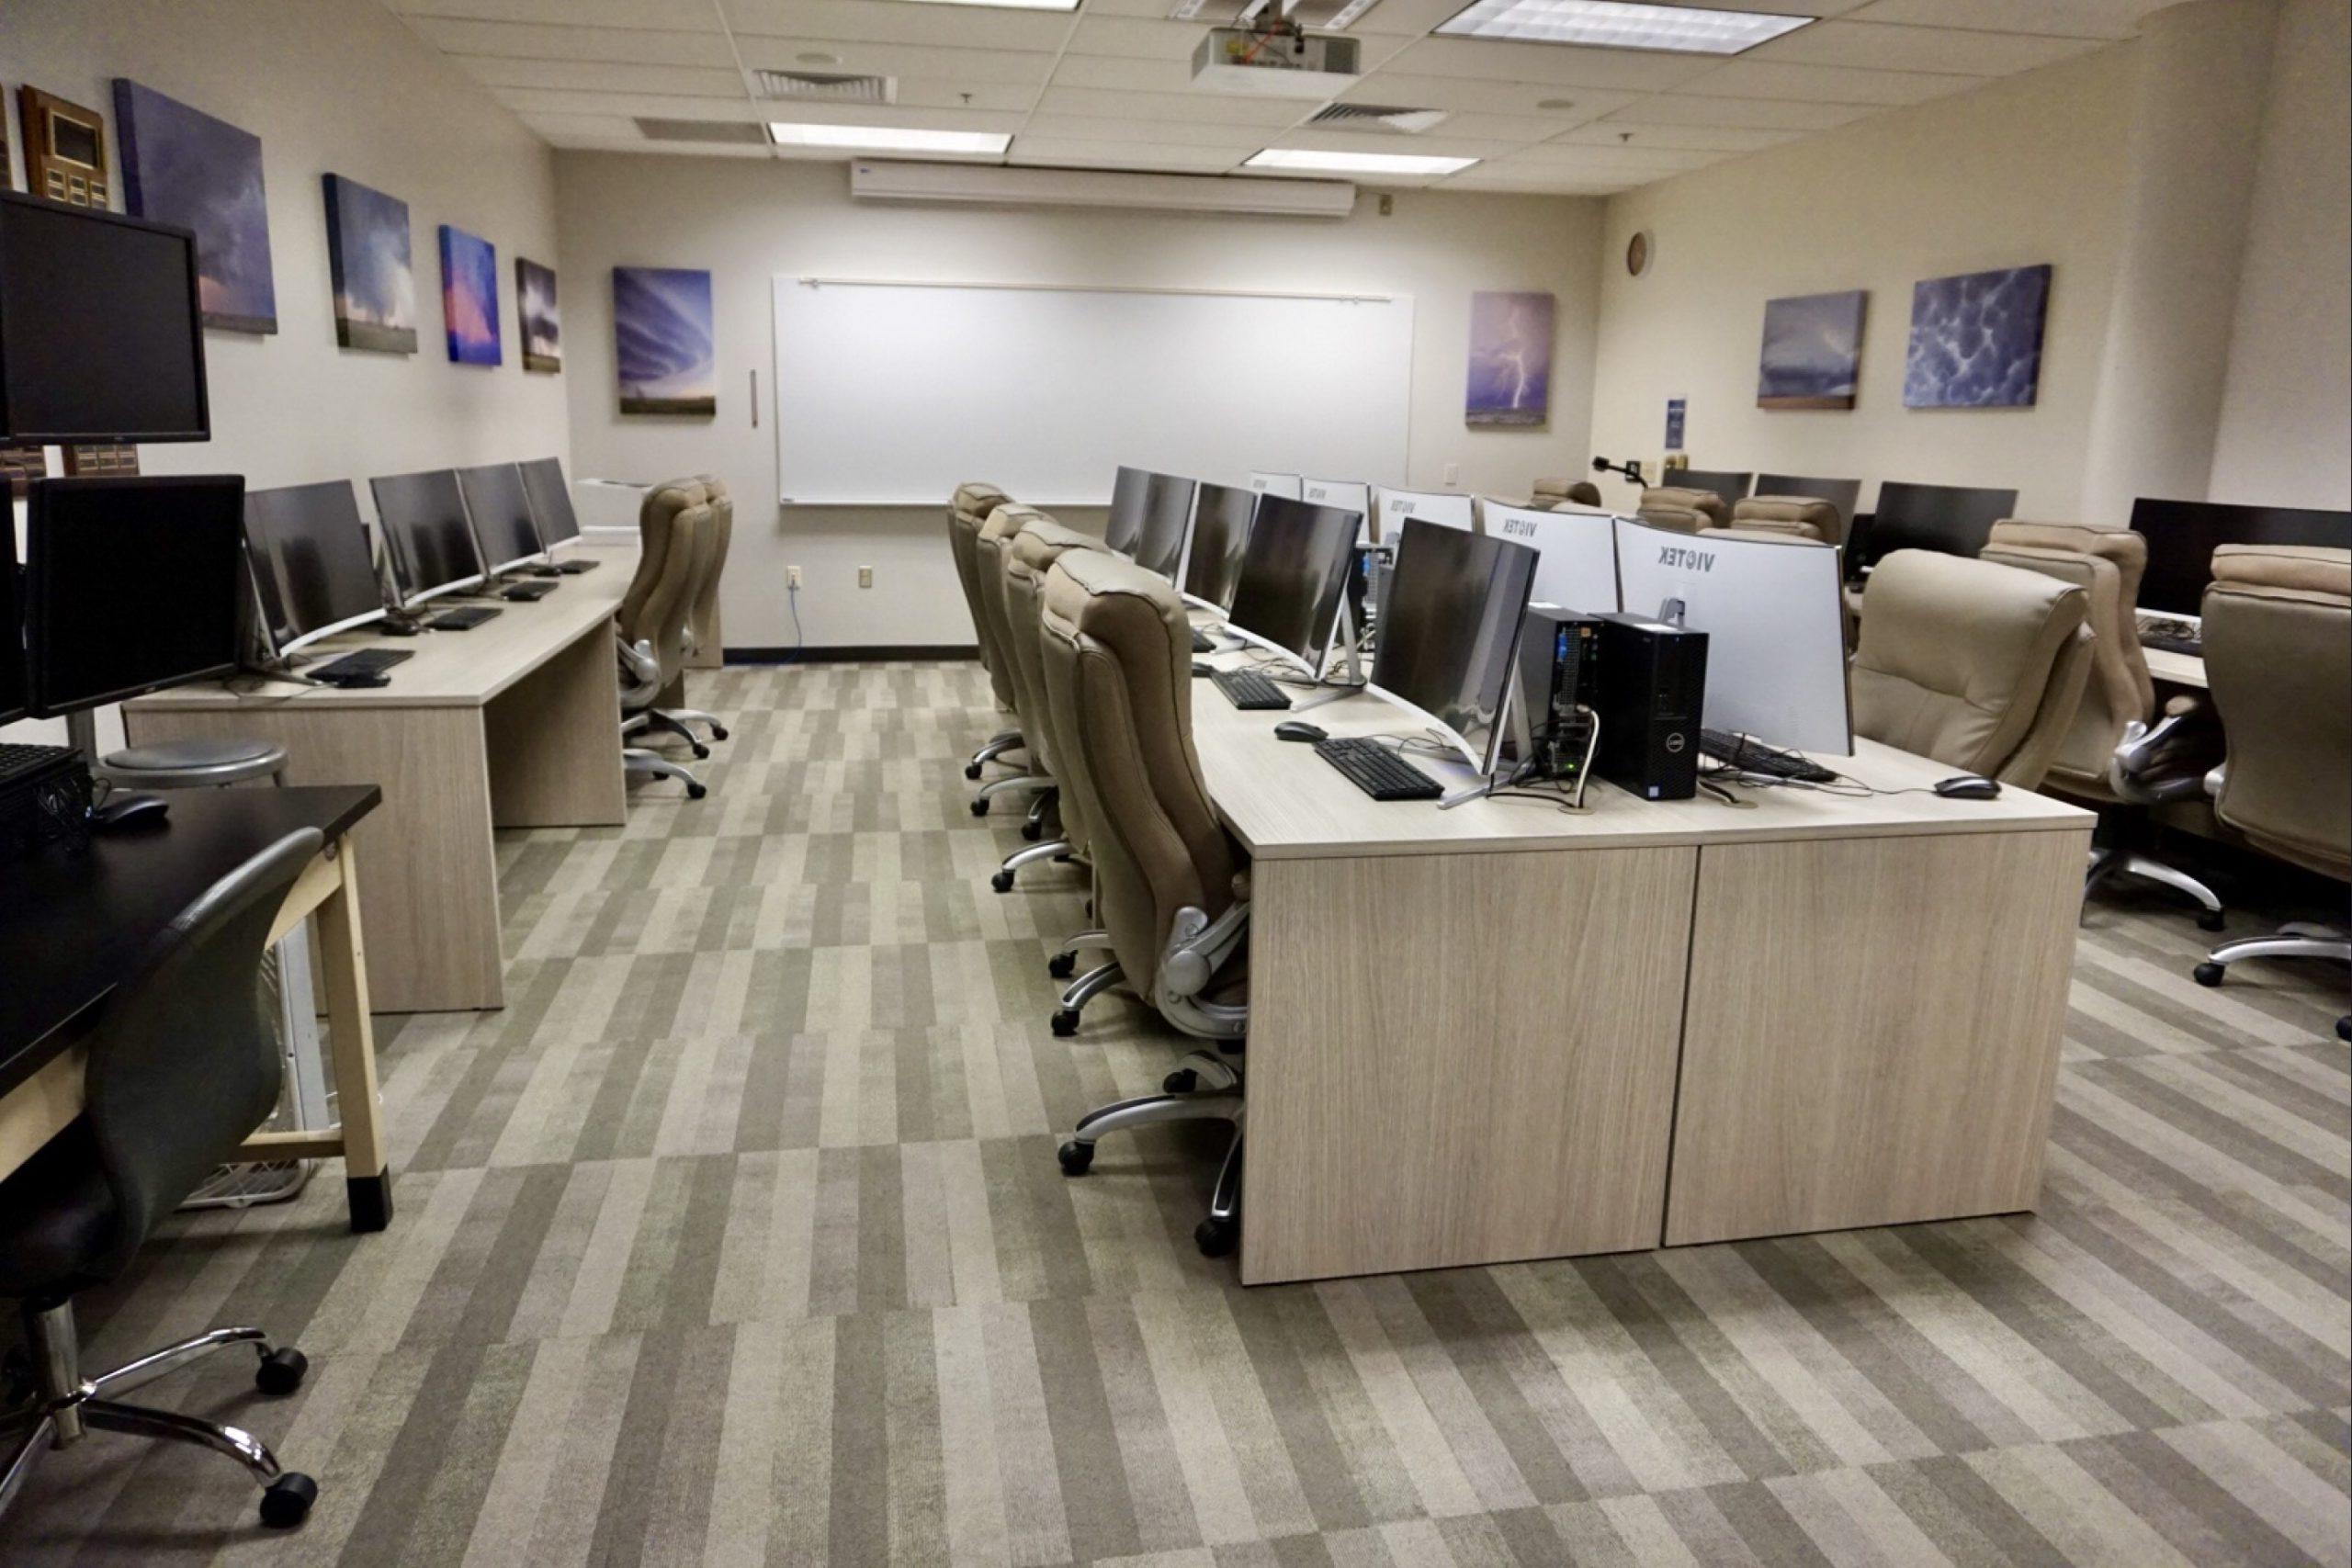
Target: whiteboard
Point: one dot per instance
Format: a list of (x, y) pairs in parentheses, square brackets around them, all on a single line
[(895, 393)]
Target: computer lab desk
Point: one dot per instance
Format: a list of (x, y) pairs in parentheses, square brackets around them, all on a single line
[(514, 723), (2176, 669), (1503, 1031)]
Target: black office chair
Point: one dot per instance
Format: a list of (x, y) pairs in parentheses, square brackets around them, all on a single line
[(182, 1066)]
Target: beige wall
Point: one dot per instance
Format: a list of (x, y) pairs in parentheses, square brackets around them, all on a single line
[(2286, 429), (341, 86), (749, 220)]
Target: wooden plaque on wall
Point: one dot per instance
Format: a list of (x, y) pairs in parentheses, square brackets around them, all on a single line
[(65, 149)]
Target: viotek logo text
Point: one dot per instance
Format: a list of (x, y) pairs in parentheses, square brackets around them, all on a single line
[(1681, 556)]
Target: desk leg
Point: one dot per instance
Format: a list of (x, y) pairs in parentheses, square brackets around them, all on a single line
[(554, 741), (343, 962)]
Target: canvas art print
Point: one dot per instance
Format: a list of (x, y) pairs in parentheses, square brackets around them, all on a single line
[(1511, 359), (536, 318), (469, 297), (182, 166), (1976, 339), (1813, 351), (662, 332), (368, 257)]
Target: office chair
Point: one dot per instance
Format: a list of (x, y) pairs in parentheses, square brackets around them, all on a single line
[(1685, 510), (703, 612), (1800, 516), (1031, 555), (991, 546), (182, 1066), (1550, 495), (673, 529), (2278, 658), (1975, 664), (662, 503), (1171, 887), (969, 508), (2120, 756)]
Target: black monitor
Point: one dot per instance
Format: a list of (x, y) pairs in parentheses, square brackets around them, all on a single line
[(426, 535), (1220, 533), (1293, 572), (1732, 486), (1167, 517), (1448, 631), (100, 338), (312, 571), (2181, 535), (1843, 494), (1954, 519), (1128, 494), (13, 705), (501, 510), (132, 585), (550, 500)]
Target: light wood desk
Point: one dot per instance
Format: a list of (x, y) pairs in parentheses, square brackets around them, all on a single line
[(1503, 1031), (2176, 669), (514, 723)]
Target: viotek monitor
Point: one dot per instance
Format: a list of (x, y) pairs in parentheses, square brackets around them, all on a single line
[(1293, 573), (2181, 535), (1220, 533), (1167, 517), (1449, 628), (427, 537), (501, 510), (312, 571)]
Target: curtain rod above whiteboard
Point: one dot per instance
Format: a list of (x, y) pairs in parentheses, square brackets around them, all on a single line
[(1095, 289)]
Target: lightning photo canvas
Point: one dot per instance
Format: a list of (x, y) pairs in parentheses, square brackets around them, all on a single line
[(1511, 359)]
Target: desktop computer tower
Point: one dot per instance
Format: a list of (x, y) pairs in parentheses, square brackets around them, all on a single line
[(1652, 681)]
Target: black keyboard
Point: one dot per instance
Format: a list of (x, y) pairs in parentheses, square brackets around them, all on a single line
[(576, 565), (1748, 757), (2193, 646), (1373, 767), (464, 619), (18, 761), (1200, 643), (528, 592), (362, 661), (1248, 689)]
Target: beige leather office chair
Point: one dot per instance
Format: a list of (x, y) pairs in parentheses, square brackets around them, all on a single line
[(2278, 658), (1801, 516), (674, 533), (1025, 557), (991, 545), (966, 510), (1978, 665), (1170, 881), (702, 616), (2117, 755), (1684, 510), (1550, 495)]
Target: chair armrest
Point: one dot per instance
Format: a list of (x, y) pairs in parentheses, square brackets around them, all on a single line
[(1197, 949)]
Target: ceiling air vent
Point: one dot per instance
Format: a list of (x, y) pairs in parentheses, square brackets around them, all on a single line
[(735, 132), (1378, 117), (824, 87)]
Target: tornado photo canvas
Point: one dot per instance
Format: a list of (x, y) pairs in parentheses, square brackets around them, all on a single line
[(367, 258), (1813, 351), (1511, 359), (1976, 339), (661, 331), (182, 166), (535, 310)]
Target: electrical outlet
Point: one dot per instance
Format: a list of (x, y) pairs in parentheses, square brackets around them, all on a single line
[(1453, 474), (792, 577), (866, 577)]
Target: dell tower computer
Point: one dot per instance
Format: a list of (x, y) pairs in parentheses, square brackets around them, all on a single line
[(1652, 681)]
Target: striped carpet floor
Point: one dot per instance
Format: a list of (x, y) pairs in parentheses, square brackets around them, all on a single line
[(738, 1237)]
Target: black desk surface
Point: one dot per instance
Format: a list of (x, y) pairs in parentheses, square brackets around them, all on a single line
[(71, 924)]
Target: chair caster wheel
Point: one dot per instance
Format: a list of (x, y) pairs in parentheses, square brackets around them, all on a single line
[(1062, 965), (718, 732), (971, 770), (2208, 973), (1064, 1022), (2209, 920), (281, 1370), (1184, 1080), (1215, 1237), (1077, 1158), (286, 1502), (1002, 882), (979, 808), (1032, 831), (702, 752), (695, 791), (2343, 1028)]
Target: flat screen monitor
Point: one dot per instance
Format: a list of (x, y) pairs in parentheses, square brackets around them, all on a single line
[(1954, 519), (1775, 619), (12, 632), (1294, 571), (426, 535), (1575, 549), (1843, 494), (2181, 535), (132, 585), (312, 571), (1730, 487), (1345, 495), (1397, 507), (501, 510), (1129, 496), (550, 500), (1167, 518), (1448, 631), (1284, 485), (1220, 533), (100, 338)]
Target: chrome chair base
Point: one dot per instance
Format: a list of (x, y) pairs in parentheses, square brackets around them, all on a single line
[(2298, 939), (1219, 1231), (669, 724), (2107, 864), (639, 762), (1064, 961), (1082, 990), (995, 788), (684, 717), (1053, 849), (1004, 741)]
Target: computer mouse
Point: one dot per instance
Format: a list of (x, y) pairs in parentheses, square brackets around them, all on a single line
[(1968, 787), (126, 812), (1203, 671), (1298, 730), (365, 680), (398, 628)]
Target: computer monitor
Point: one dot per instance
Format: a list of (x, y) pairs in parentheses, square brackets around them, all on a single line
[(1293, 573), (1775, 619), (13, 700), (1284, 485), (1397, 507), (312, 572), (2181, 535), (550, 501), (1730, 487), (1577, 553), (501, 510), (1167, 518), (1954, 519), (132, 585), (1449, 632), (1843, 494), (1129, 496), (1221, 517), (428, 536)]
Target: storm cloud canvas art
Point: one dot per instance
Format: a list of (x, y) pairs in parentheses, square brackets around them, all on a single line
[(1812, 350), (1511, 359), (536, 316), (182, 166), (662, 340), (469, 297), (367, 258), (1976, 339)]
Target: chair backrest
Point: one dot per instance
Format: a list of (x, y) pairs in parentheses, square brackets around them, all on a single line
[(1668, 501), (2278, 658), (1665, 514), (2106, 564), (705, 610), (662, 621), (654, 514), (1041, 543), (989, 548), (1806, 516), (1118, 661), (1547, 494), (965, 512), (183, 1063), (1975, 664)]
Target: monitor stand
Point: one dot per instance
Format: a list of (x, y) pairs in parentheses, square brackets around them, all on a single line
[(1340, 691)]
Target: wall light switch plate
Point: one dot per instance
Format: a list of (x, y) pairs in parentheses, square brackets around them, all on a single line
[(866, 577), (1453, 473)]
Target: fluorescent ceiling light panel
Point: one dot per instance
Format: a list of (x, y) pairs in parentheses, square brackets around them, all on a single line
[(1355, 163), (1621, 24), (890, 138)]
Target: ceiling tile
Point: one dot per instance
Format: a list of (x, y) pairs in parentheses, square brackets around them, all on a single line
[(565, 130), (1208, 108), (604, 77), (523, 41), (1611, 160), (1682, 138), (1883, 46), (1025, 66), (892, 21), (1500, 180), (1558, 64), (2066, 19), (1110, 74), (1507, 127), (1466, 95), (939, 93), (897, 114), (667, 15), (548, 100), (1436, 145), (1752, 113), (1132, 37), (1172, 133), (1827, 83)]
